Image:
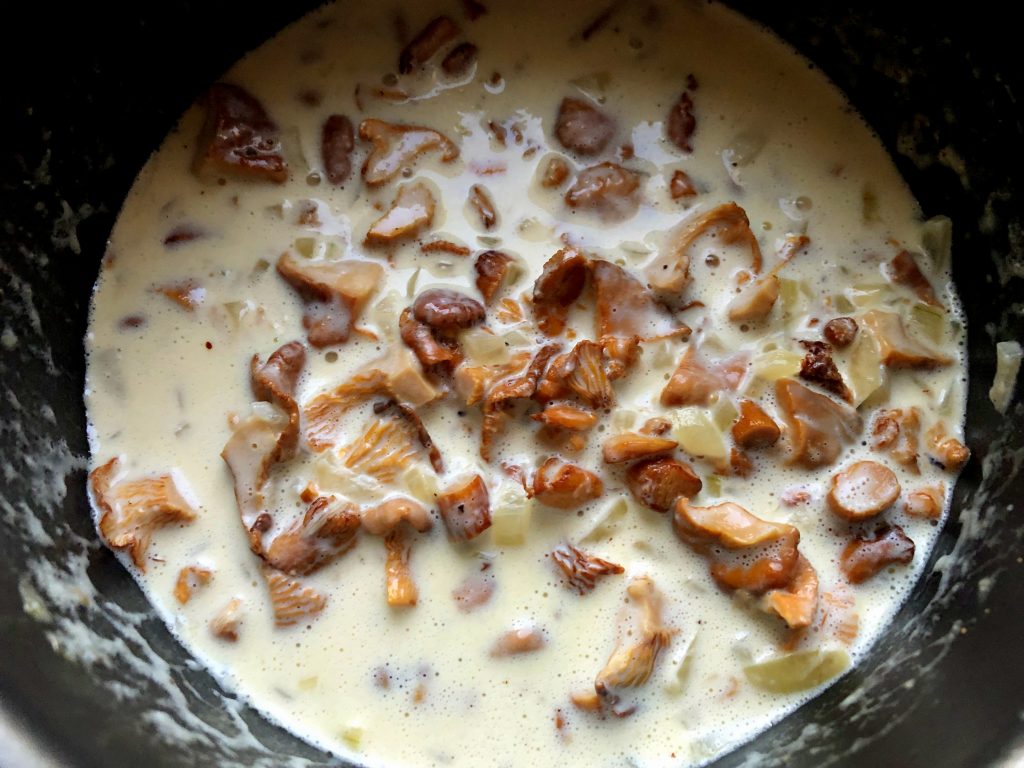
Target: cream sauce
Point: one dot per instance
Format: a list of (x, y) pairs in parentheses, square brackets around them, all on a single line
[(772, 135)]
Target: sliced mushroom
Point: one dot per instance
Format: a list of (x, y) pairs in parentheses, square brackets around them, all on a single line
[(432, 38), (481, 202), (556, 171), (385, 448), (582, 570), (525, 639), (658, 483), (680, 123), (187, 294), (606, 189), (630, 666), (695, 382), (492, 269), (465, 509), (768, 551), (333, 293), (896, 431), (238, 138), (753, 427), (132, 510), (949, 452), (291, 601), (567, 417), (669, 272), (797, 603), (626, 309), (395, 147), (630, 446), (190, 578), (926, 502), (228, 620), (517, 387), (558, 286), (904, 271), (472, 382), (681, 186), (584, 372), (862, 558), (337, 141), (459, 60), (563, 485), (583, 128), (447, 310), (862, 490), (840, 331), (818, 427), (430, 350), (275, 382), (411, 211), (326, 531)]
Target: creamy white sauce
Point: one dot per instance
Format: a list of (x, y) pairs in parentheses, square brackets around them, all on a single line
[(159, 397)]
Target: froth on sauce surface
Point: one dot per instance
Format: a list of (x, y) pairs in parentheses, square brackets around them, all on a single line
[(474, 380)]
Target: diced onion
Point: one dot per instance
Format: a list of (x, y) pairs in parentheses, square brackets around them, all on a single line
[(1008, 357), (797, 671)]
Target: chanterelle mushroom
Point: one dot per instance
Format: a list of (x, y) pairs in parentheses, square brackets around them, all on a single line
[(630, 665), (396, 146), (334, 294), (133, 509), (239, 139), (391, 519)]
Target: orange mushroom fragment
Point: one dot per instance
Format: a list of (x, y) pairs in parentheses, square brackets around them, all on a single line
[(326, 531), (658, 483), (897, 350), (696, 382), (190, 578), (583, 128), (630, 446), (607, 189), (626, 309), (565, 486), (465, 509), (525, 639), (291, 601), (411, 211), (238, 138), (582, 570), (567, 417), (753, 427), (862, 558), (395, 147), (926, 502), (797, 603), (631, 665), (559, 285), (904, 271), (818, 427), (862, 490), (132, 510), (949, 452)]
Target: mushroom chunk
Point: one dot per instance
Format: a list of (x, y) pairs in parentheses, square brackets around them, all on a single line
[(567, 417), (290, 600), (565, 486), (481, 202), (447, 310), (680, 123), (607, 189), (412, 210), (431, 351), (560, 283), (658, 483), (325, 532), (695, 382), (238, 138), (190, 578), (949, 452), (862, 490), (896, 430), (517, 387), (417, 426), (903, 270), (525, 639), (274, 382), (669, 272), (431, 39), (337, 140), (753, 427), (333, 293), (390, 519), (630, 446), (396, 375), (765, 553), (862, 558), (795, 604), (630, 666), (492, 269), (465, 509), (228, 620), (818, 427), (581, 569), (626, 309), (897, 350), (583, 128), (473, 381), (584, 371), (133, 509), (840, 332), (395, 147), (385, 447)]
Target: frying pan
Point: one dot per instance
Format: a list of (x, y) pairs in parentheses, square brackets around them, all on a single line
[(90, 677)]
